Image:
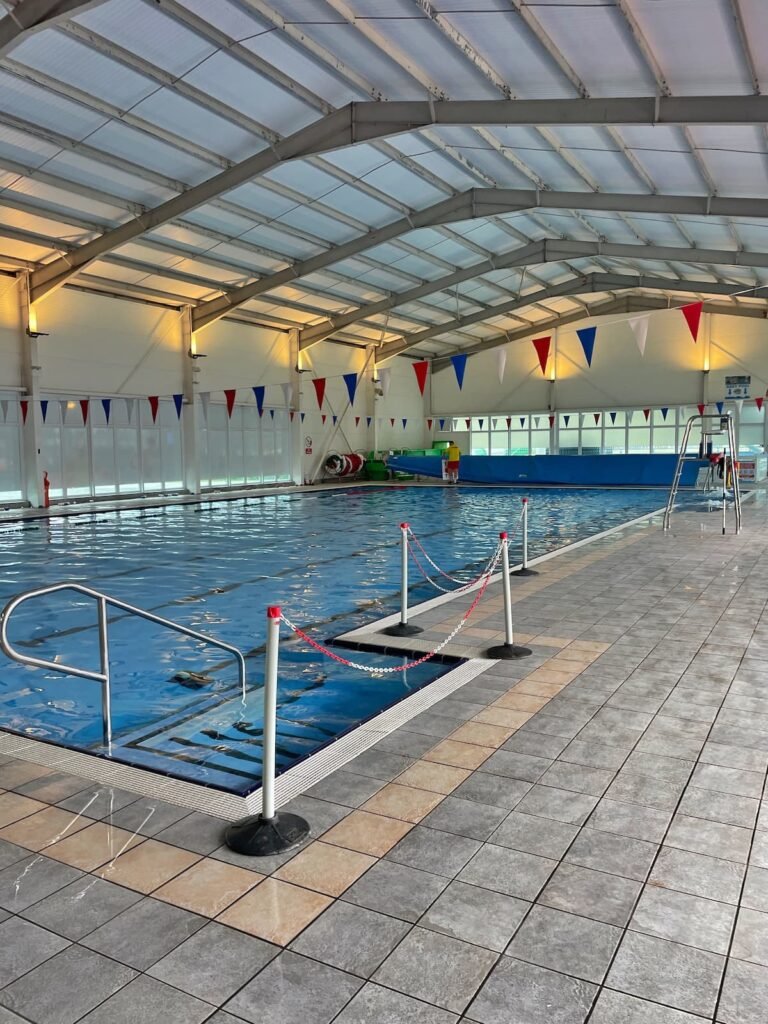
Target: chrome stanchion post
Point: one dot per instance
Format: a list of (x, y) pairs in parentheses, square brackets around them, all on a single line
[(403, 627), (524, 570), (261, 835), (509, 649)]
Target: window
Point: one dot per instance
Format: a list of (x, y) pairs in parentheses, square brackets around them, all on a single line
[(245, 448), (11, 463)]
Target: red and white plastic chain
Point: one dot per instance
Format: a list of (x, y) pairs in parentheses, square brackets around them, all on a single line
[(377, 671)]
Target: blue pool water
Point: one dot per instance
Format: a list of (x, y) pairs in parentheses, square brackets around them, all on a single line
[(331, 559)]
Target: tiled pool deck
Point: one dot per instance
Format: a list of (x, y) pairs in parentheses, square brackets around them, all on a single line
[(579, 836)]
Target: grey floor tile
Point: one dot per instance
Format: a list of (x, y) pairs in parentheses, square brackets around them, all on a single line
[(759, 853), (712, 838), (508, 871), (745, 994), (593, 755), (577, 778), (347, 788), (214, 963), (81, 907), (680, 917), (98, 802), (396, 889), (565, 942), (734, 757), (546, 724), (731, 810), (294, 990), (376, 1005), (378, 764), (32, 879), (52, 788), (64, 988), (411, 744), (645, 790), (536, 743), (667, 972), (710, 877), (593, 894), (631, 820), (522, 993), (351, 938), (436, 968), (559, 804), (618, 1008), (618, 855), (728, 780), (321, 814), (427, 849), (544, 837), (148, 817), (510, 764), (24, 946), (150, 1002), (6, 1017), (750, 940), (476, 915), (465, 817), (12, 854), (492, 789), (199, 833), (755, 894), (144, 933)]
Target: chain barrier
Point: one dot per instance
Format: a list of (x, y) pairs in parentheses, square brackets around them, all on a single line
[(378, 671)]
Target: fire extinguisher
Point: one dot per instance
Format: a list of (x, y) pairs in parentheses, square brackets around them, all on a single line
[(46, 490)]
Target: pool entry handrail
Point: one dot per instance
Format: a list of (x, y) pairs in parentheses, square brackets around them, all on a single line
[(103, 677), (724, 426)]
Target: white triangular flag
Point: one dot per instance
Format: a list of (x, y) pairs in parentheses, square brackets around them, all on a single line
[(501, 362), (205, 401), (630, 414), (493, 423), (639, 325), (130, 405), (64, 405), (536, 420), (4, 408), (385, 379), (287, 394)]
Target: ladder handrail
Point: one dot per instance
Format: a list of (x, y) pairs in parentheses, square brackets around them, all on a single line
[(103, 677), (681, 458)]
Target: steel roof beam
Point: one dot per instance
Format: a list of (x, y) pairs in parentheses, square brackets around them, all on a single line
[(32, 15)]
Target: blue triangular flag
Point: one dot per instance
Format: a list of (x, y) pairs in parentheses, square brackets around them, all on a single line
[(720, 406), (368, 420), (44, 407), (613, 417), (271, 414), (334, 420), (259, 394), (178, 401), (106, 404), (350, 379), (587, 339), (664, 411), (481, 422), (301, 416), (459, 366), (404, 422), (442, 424), (566, 420), (522, 421)]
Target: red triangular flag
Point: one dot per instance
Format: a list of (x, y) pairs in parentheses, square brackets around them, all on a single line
[(392, 422), (230, 394), (646, 413), (292, 413), (468, 423), (551, 418), (319, 384), (692, 314), (323, 417), (701, 408), (420, 369), (154, 403), (509, 422), (542, 351), (597, 418), (84, 403), (24, 403), (759, 403), (429, 424), (357, 421)]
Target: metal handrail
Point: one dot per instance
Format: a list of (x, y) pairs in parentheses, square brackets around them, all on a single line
[(681, 458), (103, 677)]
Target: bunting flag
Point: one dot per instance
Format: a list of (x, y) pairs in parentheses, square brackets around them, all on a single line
[(4, 403), (106, 404), (542, 351), (205, 401), (154, 403), (536, 420), (701, 407), (84, 404), (566, 420), (178, 401), (639, 325), (551, 421), (357, 421), (323, 418), (587, 339), (404, 423), (720, 406), (429, 424), (44, 409), (646, 413), (292, 413), (630, 414), (385, 379), (319, 385), (459, 366), (468, 423), (130, 405), (271, 414), (664, 411), (334, 420), (420, 369), (392, 421), (287, 394), (494, 422), (597, 418), (230, 394), (368, 420), (692, 314), (301, 416), (481, 422), (522, 421), (442, 424), (501, 363), (24, 404), (350, 379), (64, 406), (613, 417), (759, 403), (258, 392)]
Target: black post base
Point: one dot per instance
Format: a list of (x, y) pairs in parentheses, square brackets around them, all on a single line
[(261, 837), (508, 652), (400, 629), (524, 572)]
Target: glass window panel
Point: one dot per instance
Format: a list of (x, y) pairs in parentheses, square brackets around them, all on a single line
[(591, 438), (10, 455), (614, 441), (479, 442), (539, 442), (664, 440), (104, 475), (252, 461), (76, 461), (499, 443), (127, 453), (639, 440), (518, 442), (151, 462)]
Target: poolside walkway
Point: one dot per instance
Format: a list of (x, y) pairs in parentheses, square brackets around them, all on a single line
[(579, 836)]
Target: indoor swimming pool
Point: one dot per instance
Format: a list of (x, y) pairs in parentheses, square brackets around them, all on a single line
[(329, 558)]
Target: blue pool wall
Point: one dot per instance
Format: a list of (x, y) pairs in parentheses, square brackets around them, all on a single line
[(576, 470)]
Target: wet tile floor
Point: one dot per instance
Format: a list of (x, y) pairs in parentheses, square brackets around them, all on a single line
[(578, 836)]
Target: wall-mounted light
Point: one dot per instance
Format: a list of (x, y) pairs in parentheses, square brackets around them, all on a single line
[(706, 364), (31, 329), (552, 371)]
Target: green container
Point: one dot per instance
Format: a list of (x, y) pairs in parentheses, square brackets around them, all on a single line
[(441, 445)]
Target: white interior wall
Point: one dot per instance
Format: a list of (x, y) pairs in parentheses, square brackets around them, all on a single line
[(10, 333)]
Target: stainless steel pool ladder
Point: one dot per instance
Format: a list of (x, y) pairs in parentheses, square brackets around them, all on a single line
[(725, 427), (103, 601)]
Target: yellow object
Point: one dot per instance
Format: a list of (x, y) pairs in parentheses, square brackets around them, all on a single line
[(453, 453)]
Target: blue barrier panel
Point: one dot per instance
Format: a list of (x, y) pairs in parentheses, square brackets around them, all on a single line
[(576, 470)]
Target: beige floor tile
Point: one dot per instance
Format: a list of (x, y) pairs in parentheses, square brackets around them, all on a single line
[(275, 911), (482, 735), (21, 772), (93, 846), (486, 634), (590, 645), (537, 688), (551, 641), (551, 674), (13, 807), (506, 717), (460, 755), (324, 868), (438, 778), (208, 887), (403, 802), (520, 702), (43, 828), (368, 833), (573, 657), (148, 866)]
